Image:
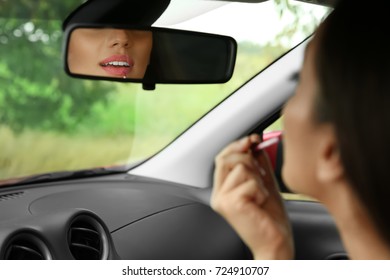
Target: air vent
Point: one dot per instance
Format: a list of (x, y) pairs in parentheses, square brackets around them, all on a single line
[(87, 239), (10, 196), (26, 246)]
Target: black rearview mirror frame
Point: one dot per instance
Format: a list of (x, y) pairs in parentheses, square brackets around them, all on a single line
[(177, 57)]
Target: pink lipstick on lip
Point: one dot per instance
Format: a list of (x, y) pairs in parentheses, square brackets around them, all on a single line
[(117, 65)]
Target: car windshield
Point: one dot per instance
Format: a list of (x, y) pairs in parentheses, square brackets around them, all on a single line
[(50, 122)]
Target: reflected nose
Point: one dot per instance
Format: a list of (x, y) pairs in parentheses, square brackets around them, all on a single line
[(120, 38)]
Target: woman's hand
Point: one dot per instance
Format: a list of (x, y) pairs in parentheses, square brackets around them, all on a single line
[(245, 193)]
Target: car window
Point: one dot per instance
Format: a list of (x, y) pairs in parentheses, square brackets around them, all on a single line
[(51, 122)]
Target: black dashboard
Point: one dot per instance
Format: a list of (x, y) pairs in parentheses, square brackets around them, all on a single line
[(115, 217), (128, 217)]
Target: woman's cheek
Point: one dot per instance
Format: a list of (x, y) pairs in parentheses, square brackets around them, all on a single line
[(295, 146)]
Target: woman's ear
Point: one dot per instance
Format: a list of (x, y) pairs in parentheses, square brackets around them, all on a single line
[(329, 166)]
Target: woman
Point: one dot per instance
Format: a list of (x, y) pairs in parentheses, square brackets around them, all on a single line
[(110, 52), (336, 144)]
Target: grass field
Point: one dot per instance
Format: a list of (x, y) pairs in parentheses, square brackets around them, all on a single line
[(132, 126), (32, 152)]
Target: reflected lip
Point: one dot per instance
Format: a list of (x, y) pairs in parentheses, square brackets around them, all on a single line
[(117, 65)]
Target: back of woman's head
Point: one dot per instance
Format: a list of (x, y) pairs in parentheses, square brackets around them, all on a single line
[(353, 70)]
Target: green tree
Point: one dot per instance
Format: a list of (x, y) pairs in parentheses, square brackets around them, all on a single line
[(35, 92)]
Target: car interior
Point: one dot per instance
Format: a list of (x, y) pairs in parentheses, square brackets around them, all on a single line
[(160, 208)]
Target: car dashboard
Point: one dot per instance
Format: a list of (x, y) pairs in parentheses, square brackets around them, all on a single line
[(115, 217), (124, 216)]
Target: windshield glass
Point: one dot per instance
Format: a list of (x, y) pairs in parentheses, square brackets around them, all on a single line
[(50, 122)]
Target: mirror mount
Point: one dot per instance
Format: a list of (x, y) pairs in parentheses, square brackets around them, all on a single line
[(148, 86)]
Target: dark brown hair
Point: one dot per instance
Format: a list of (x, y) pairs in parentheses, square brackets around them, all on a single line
[(353, 70)]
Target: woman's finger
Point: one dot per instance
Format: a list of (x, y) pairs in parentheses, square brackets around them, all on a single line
[(221, 163), (237, 176), (224, 165), (249, 192), (240, 146)]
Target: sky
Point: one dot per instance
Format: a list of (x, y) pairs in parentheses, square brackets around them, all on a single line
[(261, 21)]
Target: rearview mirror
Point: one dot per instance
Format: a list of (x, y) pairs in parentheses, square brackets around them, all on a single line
[(149, 56)]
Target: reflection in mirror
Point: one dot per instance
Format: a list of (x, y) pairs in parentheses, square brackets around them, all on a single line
[(150, 56), (108, 52)]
